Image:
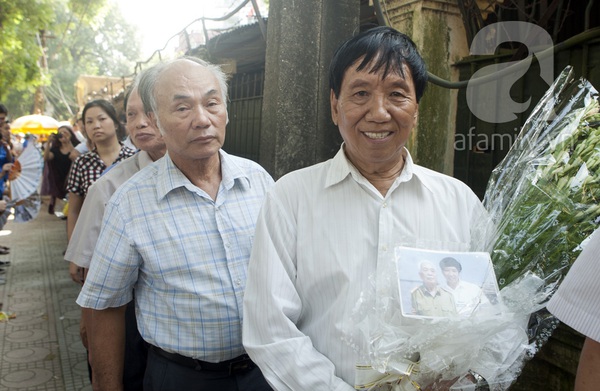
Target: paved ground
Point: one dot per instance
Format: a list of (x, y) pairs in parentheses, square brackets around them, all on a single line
[(40, 347)]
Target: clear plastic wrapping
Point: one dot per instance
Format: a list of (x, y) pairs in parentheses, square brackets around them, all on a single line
[(542, 202)]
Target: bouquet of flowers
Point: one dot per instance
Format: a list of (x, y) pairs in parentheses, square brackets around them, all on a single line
[(542, 202), (544, 196)]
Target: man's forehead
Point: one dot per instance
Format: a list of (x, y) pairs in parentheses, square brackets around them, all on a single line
[(450, 268), (187, 80)]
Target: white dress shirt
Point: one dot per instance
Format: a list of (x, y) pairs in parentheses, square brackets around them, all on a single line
[(467, 297), (576, 301), (321, 233)]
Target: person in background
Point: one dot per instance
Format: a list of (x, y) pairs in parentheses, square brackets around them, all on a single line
[(6, 157), (7, 136), (104, 130), (467, 296), (179, 233), (3, 114), (323, 230), (3, 264), (58, 164), (18, 143), (84, 141), (575, 303), (6, 160), (85, 235)]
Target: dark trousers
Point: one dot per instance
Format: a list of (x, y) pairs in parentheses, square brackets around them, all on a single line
[(136, 353), (166, 375)]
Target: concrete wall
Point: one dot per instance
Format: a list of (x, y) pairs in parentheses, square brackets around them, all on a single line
[(297, 130), (436, 27)]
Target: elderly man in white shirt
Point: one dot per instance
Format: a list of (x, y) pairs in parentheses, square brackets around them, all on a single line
[(324, 230)]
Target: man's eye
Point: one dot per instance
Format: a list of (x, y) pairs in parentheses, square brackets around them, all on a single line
[(361, 93)]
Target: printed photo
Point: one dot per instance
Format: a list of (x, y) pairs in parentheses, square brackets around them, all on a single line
[(434, 284)]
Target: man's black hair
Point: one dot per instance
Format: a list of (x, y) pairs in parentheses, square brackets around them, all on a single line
[(450, 262), (382, 48), (3, 109)]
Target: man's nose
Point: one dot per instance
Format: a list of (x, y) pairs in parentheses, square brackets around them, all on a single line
[(142, 123), (201, 118), (378, 110)]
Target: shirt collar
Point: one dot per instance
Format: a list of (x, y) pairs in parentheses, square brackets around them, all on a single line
[(438, 291), (169, 177), (341, 168), (144, 159), (122, 151)]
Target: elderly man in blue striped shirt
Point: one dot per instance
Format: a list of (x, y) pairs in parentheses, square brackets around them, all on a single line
[(180, 233)]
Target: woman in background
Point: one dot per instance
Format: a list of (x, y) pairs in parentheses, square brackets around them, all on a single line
[(58, 163), (104, 130)]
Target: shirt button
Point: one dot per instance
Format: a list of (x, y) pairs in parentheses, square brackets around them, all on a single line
[(227, 244), (238, 282), (383, 248), (385, 204)]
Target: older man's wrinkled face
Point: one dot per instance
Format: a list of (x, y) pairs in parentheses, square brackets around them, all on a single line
[(191, 111), (141, 129), (375, 115), (428, 273)]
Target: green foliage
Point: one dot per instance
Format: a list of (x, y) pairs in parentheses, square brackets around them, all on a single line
[(544, 195), (82, 37), (20, 24)]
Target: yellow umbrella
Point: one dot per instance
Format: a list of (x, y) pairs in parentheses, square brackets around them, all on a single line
[(34, 124)]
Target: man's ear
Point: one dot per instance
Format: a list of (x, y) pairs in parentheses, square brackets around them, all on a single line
[(334, 111)]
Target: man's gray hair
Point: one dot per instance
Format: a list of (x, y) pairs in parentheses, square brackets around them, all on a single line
[(149, 78), (424, 262)]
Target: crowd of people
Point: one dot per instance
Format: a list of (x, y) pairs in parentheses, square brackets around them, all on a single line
[(7, 158), (198, 271)]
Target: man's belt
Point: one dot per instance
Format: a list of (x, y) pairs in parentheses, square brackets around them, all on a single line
[(234, 366)]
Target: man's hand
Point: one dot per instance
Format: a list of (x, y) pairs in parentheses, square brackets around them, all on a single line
[(77, 273)]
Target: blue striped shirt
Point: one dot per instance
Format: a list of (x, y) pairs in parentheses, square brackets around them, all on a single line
[(185, 254)]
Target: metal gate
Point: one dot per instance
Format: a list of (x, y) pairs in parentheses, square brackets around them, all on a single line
[(245, 113)]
